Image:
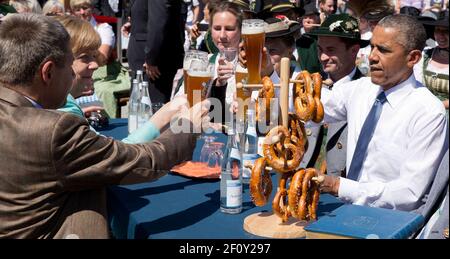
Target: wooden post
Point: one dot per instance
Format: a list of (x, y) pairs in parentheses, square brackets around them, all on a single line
[(284, 93)]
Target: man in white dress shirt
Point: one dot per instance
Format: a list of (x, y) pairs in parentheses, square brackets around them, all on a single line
[(409, 139)]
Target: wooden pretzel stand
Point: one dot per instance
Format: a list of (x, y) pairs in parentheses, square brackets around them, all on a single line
[(267, 224)]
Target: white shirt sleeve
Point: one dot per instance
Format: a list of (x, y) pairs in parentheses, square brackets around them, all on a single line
[(423, 155), (106, 34), (334, 102)]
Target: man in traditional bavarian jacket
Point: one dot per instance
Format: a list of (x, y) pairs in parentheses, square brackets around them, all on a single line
[(338, 42)]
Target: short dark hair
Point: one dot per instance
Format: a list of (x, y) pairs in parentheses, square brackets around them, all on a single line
[(26, 41), (411, 33)]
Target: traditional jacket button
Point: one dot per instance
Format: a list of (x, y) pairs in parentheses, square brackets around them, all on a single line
[(308, 132), (339, 145)]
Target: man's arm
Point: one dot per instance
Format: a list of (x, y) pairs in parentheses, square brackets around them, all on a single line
[(424, 153), (87, 160)]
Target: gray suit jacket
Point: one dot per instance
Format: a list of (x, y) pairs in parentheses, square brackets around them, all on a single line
[(54, 170), (336, 145), (315, 138), (433, 201)]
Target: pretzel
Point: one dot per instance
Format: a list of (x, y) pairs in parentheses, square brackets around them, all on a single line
[(319, 113), (298, 133), (267, 92), (286, 159), (279, 204), (304, 102), (303, 196), (312, 206), (260, 183), (295, 189)]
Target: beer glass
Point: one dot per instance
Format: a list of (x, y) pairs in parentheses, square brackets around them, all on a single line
[(253, 37), (242, 94), (189, 56), (230, 55), (197, 80)]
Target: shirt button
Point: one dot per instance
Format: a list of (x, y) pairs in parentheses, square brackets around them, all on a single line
[(339, 145), (308, 132)]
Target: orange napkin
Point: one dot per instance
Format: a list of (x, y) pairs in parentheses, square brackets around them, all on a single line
[(197, 170)]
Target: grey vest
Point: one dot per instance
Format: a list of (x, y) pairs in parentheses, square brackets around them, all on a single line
[(433, 200), (337, 143)]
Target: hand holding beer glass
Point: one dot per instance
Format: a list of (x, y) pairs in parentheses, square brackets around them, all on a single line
[(230, 57), (198, 79)]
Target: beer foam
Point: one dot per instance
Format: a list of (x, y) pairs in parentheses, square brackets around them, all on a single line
[(199, 73), (252, 30), (240, 69)]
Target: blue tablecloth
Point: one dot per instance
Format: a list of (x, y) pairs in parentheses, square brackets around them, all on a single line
[(178, 207)]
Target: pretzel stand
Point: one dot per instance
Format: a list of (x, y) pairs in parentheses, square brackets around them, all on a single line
[(267, 224)]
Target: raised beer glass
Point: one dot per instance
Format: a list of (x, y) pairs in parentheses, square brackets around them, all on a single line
[(198, 77), (189, 56), (253, 37)]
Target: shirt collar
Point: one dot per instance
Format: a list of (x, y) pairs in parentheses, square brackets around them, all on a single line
[(395, 95), (33, 102)]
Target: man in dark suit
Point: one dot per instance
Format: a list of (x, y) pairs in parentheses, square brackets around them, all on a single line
[(156, 43), (54, 169)]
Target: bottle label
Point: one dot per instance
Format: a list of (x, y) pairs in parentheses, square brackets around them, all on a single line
[(249, 159), (234, 193), (132, 123), (146, 100)]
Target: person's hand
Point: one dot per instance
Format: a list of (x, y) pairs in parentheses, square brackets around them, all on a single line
[(169, 111), (224, 72), (198, 115), (242, 56), (88, 110), (234, 106), (445, 102), (152, 71), (125, 29), (194, 31), (267, 67), (327, 183)]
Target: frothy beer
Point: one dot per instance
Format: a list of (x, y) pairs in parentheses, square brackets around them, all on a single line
[(253, 37), (190, 56), (195, 87)]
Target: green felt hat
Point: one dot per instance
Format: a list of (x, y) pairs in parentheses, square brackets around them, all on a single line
[(340, 25), (245, 5), (280, 6)]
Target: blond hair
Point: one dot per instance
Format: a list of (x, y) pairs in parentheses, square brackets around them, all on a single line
[(75, 3), (50, 4), (83, 37)]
